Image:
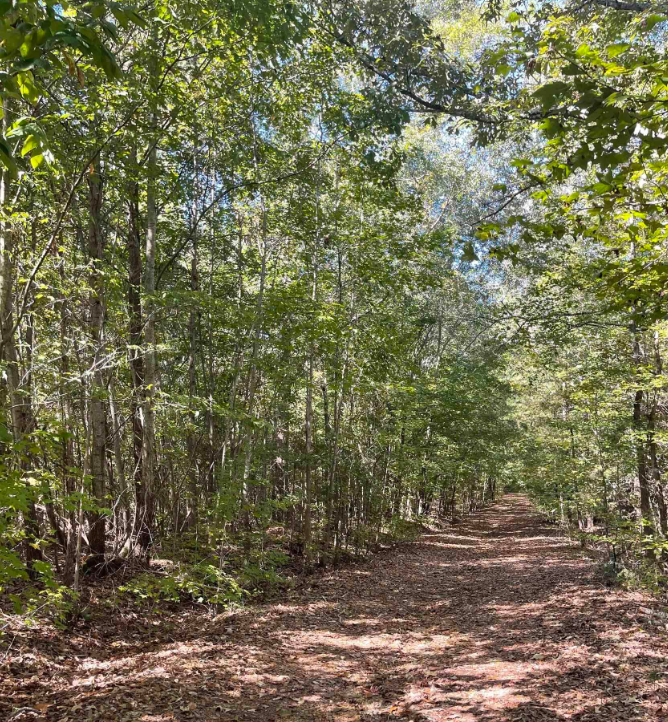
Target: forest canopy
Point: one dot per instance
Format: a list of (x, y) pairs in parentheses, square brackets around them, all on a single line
[(319, 271)]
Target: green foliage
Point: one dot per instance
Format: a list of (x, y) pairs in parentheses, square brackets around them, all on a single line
[(263, 579), (47, 598), (202, 583), (404, 529), (361, 319), (35, 38)]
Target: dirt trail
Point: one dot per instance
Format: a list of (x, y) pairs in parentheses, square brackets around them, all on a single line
[(496, 619)]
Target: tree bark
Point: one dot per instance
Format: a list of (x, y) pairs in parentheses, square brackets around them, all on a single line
[(191, 439), (20, 411), (147, 502), (136, 360), (96, 410), (641, 452)]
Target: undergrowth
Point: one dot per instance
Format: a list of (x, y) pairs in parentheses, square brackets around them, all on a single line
[(218, 573)]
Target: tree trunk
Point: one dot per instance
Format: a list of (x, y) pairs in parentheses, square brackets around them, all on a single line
[(146, 512), (308, 433), (20, 412), (97, 421), (191, 440), (641, 453), (655, 471), (136, 360)]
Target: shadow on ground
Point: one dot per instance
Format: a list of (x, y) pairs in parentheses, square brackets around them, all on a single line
[(497, 619)]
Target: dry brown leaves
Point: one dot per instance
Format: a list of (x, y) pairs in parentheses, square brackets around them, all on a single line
[(497, 619)]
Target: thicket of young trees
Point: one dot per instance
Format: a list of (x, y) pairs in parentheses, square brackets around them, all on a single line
[(326, 266)]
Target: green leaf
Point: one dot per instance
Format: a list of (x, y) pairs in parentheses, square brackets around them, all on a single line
[(13, 38), (5, 436), (617, 49), (98, 10), (551, 93), (121, 17), (551, 127), (24, 65), (30, 143), (109, 65), (600, 188), (27, 87), (136, 18), (6, 158), (31, 47), (649, 22), (469, 255), (110, 29)]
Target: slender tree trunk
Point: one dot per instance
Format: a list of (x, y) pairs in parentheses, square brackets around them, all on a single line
[(327, 468), (20, 412), (147, 505), (67, 416), (120, 464), (308, 432), (191, 440), (256, 333), (136, 360), (97, 421), (655, 472), (641, 452)]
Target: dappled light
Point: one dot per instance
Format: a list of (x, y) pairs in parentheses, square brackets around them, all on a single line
[(332, 360), (511, 627)]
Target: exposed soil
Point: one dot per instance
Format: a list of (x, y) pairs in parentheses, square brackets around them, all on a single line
[(496, 619)]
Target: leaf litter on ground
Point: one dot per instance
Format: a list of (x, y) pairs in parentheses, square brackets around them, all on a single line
[(494, 619)]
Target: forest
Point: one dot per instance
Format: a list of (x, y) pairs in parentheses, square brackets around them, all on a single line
[(287, 283)]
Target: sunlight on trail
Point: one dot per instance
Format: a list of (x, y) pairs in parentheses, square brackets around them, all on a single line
[(502, 621)]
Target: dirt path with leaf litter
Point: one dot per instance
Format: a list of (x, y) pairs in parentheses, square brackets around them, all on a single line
[(495, 619)]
